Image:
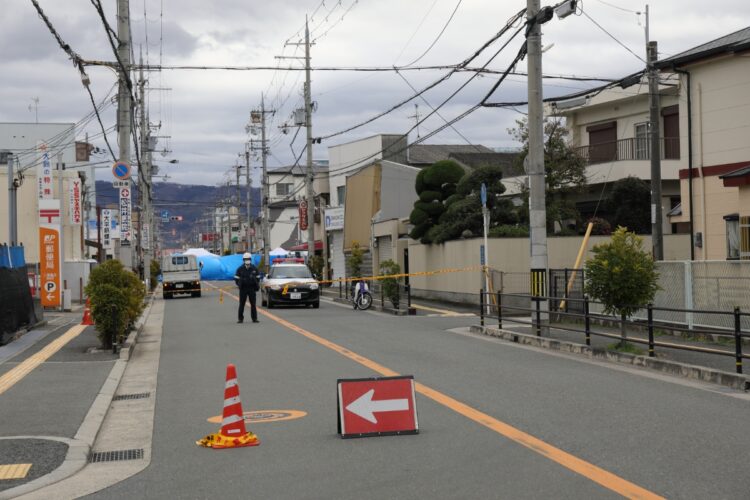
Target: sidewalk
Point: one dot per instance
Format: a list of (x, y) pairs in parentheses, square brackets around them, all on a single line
[(51, 383)]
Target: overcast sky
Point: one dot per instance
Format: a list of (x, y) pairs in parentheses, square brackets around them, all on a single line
[(205, 112)]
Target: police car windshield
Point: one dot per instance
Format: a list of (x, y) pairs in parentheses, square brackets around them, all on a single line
[(283, 272)]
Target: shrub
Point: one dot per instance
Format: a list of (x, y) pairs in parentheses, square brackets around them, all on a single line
[(391, 285), (155, 271), (621, 275), (509, 231), (355, 260), (111, 285), (316, 266)]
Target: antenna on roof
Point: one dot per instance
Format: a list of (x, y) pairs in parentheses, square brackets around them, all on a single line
[(416, 116)]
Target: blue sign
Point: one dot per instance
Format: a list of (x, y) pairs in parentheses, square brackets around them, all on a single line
[(484, 195), (121, 170), (481, 255), (165, 216)]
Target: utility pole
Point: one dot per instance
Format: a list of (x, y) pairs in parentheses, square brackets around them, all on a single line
[(535, 158), (123, 98), (657, 236), (12, 217), (309, 177), (248, 185), (144, 180), (60, 168), (265, 221)]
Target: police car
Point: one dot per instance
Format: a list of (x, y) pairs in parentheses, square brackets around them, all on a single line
[(289, 284)]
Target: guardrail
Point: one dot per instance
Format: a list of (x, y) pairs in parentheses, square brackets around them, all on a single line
[(499, 306)]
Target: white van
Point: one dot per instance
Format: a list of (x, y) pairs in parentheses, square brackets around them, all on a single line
[(180, 274)]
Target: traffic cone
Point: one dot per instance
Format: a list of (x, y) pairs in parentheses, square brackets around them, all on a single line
[(233, 433), (87, 319)]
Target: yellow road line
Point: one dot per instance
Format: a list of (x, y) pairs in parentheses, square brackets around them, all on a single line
[(571, 462), (14, 471), (9, 379)]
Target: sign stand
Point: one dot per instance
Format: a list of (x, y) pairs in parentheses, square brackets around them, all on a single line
[(378, 406)]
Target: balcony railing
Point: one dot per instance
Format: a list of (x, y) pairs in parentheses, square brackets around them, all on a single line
[(629, 149)]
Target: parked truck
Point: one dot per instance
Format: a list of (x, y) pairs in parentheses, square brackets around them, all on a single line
[(180, 274)]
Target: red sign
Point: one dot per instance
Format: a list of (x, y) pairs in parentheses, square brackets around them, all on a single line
[(303, 215), (49, 260), (377, 406)]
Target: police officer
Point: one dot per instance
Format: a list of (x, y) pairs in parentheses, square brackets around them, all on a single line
[(247, 279)]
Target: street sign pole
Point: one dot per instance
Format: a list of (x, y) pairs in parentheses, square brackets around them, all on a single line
[(486, 261)]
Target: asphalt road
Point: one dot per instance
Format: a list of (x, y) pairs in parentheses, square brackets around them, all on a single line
[(676, 440)]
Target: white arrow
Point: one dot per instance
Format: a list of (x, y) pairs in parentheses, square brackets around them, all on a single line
[(365, 407), (50, 296)]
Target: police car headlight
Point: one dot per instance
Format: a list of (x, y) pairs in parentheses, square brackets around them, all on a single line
[(313, 286), (274, 287)]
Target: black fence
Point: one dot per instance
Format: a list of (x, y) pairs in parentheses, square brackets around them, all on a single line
[(562, 314), (397, 296)]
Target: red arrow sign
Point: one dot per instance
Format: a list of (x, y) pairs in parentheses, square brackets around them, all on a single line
[(377, 406)]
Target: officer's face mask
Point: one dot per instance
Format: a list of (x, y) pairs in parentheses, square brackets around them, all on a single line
[(247, 263)]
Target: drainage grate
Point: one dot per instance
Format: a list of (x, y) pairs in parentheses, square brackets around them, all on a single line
[(115, 456), (139, 395)]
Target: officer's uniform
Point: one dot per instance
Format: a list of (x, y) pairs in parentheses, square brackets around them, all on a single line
[(247, 279)]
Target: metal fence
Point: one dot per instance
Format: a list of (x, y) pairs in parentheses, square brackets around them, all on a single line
[(502, 308)]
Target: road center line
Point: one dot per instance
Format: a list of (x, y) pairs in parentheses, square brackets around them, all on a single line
[(573, 463), (19, 372)]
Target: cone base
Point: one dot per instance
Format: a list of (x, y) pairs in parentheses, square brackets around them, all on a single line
[(219, 441)]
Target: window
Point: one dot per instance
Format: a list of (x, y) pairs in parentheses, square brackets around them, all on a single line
[(179, 260), (641, 141), (733, 236), (341, 195), (671, 118), (284, 188), (602, 142)]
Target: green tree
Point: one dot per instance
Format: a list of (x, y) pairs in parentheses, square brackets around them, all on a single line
[(622, 276), (111, 286), (391, 285), (630, 204), (316, 266), (565, 172), (355, 259), (434, 185)]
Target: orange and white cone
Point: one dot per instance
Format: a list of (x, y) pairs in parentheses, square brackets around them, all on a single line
[(87, 319), (233, 433)]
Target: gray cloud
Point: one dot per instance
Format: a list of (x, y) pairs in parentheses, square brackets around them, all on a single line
[(205, 113)]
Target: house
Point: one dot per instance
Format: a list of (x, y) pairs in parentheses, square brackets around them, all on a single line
[(286, 191), (469, 156), (714, 171)]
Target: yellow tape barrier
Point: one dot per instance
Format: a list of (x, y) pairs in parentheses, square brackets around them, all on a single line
[(221, 289)]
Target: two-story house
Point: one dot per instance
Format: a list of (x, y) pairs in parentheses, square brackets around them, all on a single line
[(704, 127), (286, 190)]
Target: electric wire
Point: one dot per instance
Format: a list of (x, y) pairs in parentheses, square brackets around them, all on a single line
[(439, 35), (612, 36)]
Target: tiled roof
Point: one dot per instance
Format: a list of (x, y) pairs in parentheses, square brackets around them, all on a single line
[(742, 172), (298, 169), (739, 40), (427, 154)]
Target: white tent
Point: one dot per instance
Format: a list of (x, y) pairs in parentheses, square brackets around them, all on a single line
[(278, 252)]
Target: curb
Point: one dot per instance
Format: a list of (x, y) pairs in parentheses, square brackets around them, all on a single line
[(80, 446), (75, 460), (704, 374)]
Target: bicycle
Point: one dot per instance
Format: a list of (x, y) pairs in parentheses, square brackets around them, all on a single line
[(360, 296)]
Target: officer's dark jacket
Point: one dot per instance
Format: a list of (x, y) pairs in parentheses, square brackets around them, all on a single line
[(247, 278)]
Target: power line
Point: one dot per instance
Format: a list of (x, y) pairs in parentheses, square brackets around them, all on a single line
[(439, 35), (612, 36)]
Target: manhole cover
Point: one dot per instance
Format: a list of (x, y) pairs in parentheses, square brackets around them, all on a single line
[(265, 416)]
